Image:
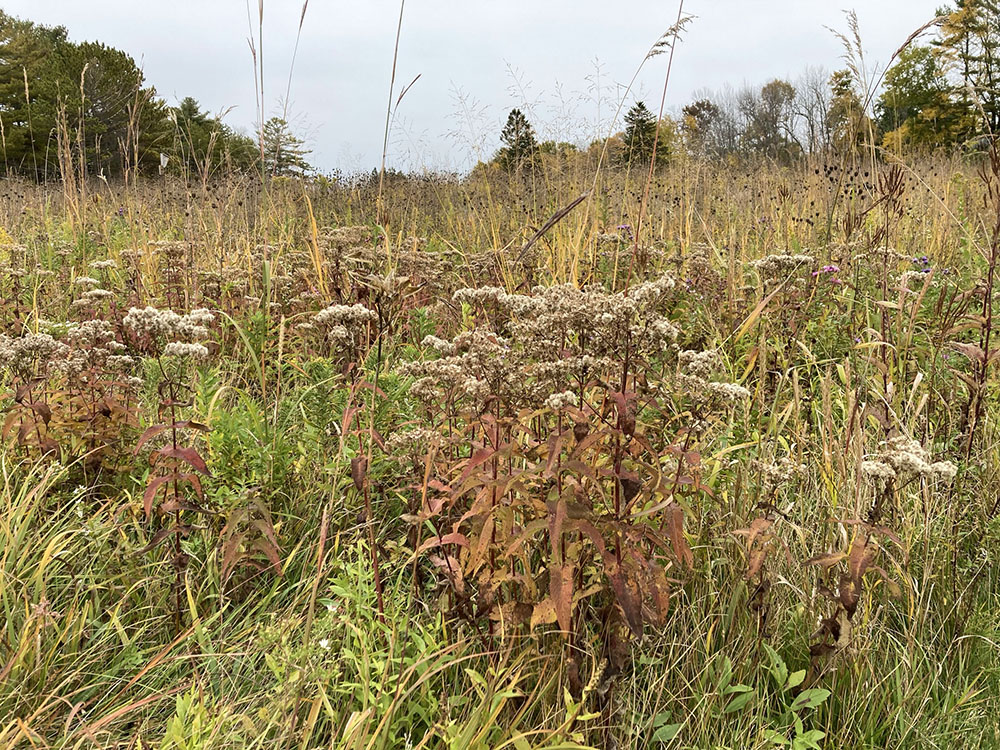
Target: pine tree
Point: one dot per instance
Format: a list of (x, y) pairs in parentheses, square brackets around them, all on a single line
[(203, 143), (26, 92), (124, 121), (640, 133), (520, 148), (48, 83), (284, 153)]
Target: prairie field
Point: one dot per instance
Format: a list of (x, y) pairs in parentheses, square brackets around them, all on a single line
[(566, 458)]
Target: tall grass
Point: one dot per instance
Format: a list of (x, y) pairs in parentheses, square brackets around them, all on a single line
[(91, 654)]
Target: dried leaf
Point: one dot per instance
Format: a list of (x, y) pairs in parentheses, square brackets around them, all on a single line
[(561, 594), (675, 529), (359, 472), (544, 613), (187, 454), (827, 559), (478, 459), (626, 594), (159, 538), (972, 351)]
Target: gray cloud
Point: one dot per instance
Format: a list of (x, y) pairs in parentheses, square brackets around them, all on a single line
[(476, 60)]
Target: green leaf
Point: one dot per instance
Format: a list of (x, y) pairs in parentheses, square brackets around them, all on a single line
[(795, 679), (775, 737), (740, 701), (809, 740), (725, 674), (810, 698), (778, 669), (666, 733), (660, 719)]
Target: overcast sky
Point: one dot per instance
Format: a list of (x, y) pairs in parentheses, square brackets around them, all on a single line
[(565, 63)]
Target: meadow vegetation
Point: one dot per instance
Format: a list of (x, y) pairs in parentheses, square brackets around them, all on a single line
[(277, 476), (636, 446)]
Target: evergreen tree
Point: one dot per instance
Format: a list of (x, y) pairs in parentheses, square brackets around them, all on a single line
[(640, 133), (520, 148), (94, 94), (91, 97), (204, 144), (123, 121), (284, 153), (26, 92)]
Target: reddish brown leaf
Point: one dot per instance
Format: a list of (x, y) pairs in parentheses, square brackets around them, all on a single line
[(658, 594), (481, 544), (359, 472), (555, 450), (827, 559), (848, 594), (230, 553), (557, 517), (452, 538), (42, 409), (8, 423), (675, 529), (561, 593), (451, 569), (23, 389), (269, 551), (151, 489), (589, 530), (149, 434), (860, 557), (478, 458), (187, 454), (756, 561), (511, 615), (626, 594), (159, 538), (757, 527)]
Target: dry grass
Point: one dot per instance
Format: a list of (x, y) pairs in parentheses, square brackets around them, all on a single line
[(101, 647)]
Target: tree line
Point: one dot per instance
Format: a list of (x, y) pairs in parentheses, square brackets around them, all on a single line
[(942, 94), (86, 106)]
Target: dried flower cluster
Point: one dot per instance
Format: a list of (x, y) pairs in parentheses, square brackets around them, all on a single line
[(696, 371), (902, 456), (546, 344), (30, 355), (346, 326), (155, 329), (781, 265)]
